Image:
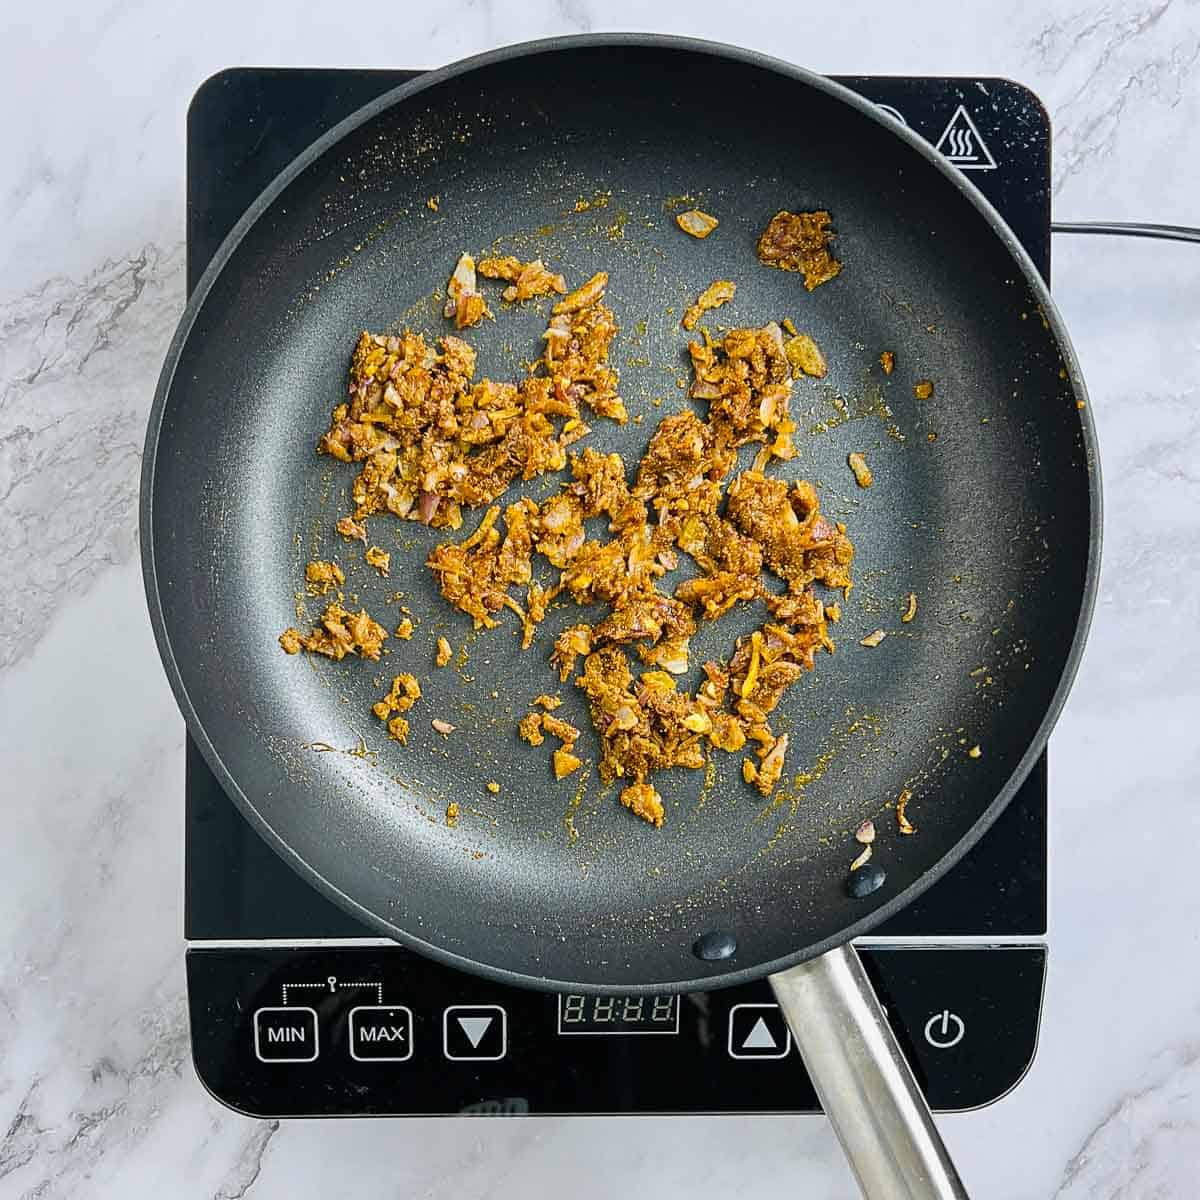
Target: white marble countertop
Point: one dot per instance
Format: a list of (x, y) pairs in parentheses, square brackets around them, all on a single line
[(97, 1094)]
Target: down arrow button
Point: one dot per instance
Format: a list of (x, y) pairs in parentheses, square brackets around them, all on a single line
[(475, 1032)]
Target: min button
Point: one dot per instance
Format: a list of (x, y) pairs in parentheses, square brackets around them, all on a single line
[(285, 1035)]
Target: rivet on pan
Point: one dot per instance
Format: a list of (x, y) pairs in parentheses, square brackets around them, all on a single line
[(865, 880), (715, 945)]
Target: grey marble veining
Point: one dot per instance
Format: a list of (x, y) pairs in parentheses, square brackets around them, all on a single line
[(1106, 60), (76, 356), (97, 1096)]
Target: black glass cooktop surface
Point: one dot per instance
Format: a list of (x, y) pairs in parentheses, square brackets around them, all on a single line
[(297, 1008)]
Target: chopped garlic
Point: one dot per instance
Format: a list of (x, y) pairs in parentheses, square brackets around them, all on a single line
[(696, 223), (862, 473)]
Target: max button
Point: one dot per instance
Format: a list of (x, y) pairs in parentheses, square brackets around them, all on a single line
[(381, 1033)]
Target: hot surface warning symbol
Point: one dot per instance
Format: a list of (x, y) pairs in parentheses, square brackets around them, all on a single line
[(962, 145)]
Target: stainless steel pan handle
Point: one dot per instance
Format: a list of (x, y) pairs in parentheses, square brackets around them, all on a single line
[(863, 1081)]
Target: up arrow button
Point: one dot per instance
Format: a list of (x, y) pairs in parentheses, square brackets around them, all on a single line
[(758, 1031)]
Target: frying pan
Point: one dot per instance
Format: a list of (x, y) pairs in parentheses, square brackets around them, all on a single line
[(986, 504)]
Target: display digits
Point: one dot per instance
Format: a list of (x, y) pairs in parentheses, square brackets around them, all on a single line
[(618, 1014)]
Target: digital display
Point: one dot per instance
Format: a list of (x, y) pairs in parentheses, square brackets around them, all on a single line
[(618, 1014)]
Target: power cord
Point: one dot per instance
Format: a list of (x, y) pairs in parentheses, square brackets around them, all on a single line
[(1174, 233)]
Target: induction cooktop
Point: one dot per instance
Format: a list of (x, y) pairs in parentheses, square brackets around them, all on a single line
[(298, 1009)]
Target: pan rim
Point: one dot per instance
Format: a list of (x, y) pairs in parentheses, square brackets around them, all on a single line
[(530, 49)]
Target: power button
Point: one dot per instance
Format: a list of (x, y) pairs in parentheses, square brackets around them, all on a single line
[(944, 1029)]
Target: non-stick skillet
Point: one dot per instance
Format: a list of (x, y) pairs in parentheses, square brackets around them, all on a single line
[(986, 504)]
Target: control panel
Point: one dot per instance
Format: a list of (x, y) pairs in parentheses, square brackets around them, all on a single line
[(316, 1032)]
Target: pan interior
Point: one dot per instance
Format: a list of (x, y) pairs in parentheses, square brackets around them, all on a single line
[(980, 506)]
